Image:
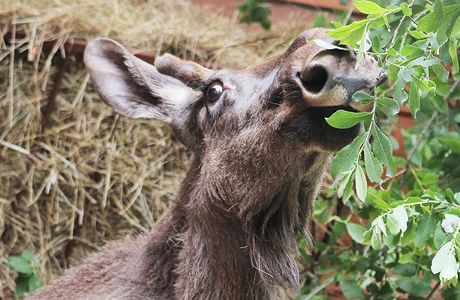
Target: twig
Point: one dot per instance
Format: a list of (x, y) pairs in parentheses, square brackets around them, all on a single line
[(318, 288), (433, 290), (395, 34), (50, 105), (11, 75)]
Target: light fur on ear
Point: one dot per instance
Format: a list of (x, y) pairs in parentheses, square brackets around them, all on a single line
[(131, 86)]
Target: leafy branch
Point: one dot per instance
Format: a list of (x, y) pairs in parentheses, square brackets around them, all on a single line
[(417, 63)]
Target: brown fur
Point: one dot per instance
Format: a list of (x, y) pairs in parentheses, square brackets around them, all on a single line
[(258, 158)]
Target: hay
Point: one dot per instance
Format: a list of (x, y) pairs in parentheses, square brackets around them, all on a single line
[(73, 174)]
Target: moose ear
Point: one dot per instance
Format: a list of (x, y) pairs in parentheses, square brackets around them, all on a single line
[(133, 87), (190, 73)]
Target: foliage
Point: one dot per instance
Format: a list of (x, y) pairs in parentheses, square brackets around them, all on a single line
[(28, 278), (255, 11), (405, 214)]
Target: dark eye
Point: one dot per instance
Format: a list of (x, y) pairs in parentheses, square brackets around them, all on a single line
[(214, 91)]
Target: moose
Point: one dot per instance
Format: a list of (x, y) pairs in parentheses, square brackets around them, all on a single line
[(259, 146)]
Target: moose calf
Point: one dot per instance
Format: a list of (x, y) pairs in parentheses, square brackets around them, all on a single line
[(259, 145)]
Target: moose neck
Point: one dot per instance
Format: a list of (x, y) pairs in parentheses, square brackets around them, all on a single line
[(244, 242)]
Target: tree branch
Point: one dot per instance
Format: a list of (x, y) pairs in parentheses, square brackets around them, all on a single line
[(425, 131)]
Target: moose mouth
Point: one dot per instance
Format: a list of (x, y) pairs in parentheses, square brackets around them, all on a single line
[(327, 111)]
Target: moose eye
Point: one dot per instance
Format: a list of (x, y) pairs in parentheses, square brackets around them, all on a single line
[(214, 91)]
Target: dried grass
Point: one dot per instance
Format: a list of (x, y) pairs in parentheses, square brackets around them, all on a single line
[(73, 174)]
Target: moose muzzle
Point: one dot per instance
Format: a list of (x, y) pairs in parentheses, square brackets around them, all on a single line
[(333, 76)]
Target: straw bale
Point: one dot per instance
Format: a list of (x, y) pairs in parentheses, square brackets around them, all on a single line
[(73, 174)]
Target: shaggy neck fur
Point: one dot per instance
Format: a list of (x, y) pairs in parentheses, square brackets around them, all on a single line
[(243, 251)]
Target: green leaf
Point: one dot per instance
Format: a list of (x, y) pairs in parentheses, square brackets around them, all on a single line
[(440, 72), (34, 283), (392, 225), (336, 24), (457, 118), (431, 23), (388, 106), (438, 9), (387, 24), (414, 99), (399, 94), (445, 23), (440, 237), (360, 184), (320, 20), (405, 269), (343, 184), (406, 9), (427, 86), (453, 46), (383, 150), (397, 220), (27, 255), (373, 168), (440, 104), (378, 228), (351, 290), (346, 158), (356, 232), (445, 262), (375, 45), (418, 34), (392, 52), (369, 7), (343, 119), (422, 61), (412, 52), (408, 237), (453, 143), (424, 230), (415, 286), (377, 202), (361, 97), (362, 47), (22, 285), (376, 239), (349, 34), (348, 190), (255, 11), (20, 265), (450, 195), (428, 23), (457, 197), (455, 34)]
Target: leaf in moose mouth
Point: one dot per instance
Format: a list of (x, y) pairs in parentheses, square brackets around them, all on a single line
[(362, 101), (343, 119)]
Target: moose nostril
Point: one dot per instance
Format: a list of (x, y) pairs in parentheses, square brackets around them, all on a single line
[(314, 78)]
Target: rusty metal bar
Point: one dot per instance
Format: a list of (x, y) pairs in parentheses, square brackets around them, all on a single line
[(322, 4), (76, 46)]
